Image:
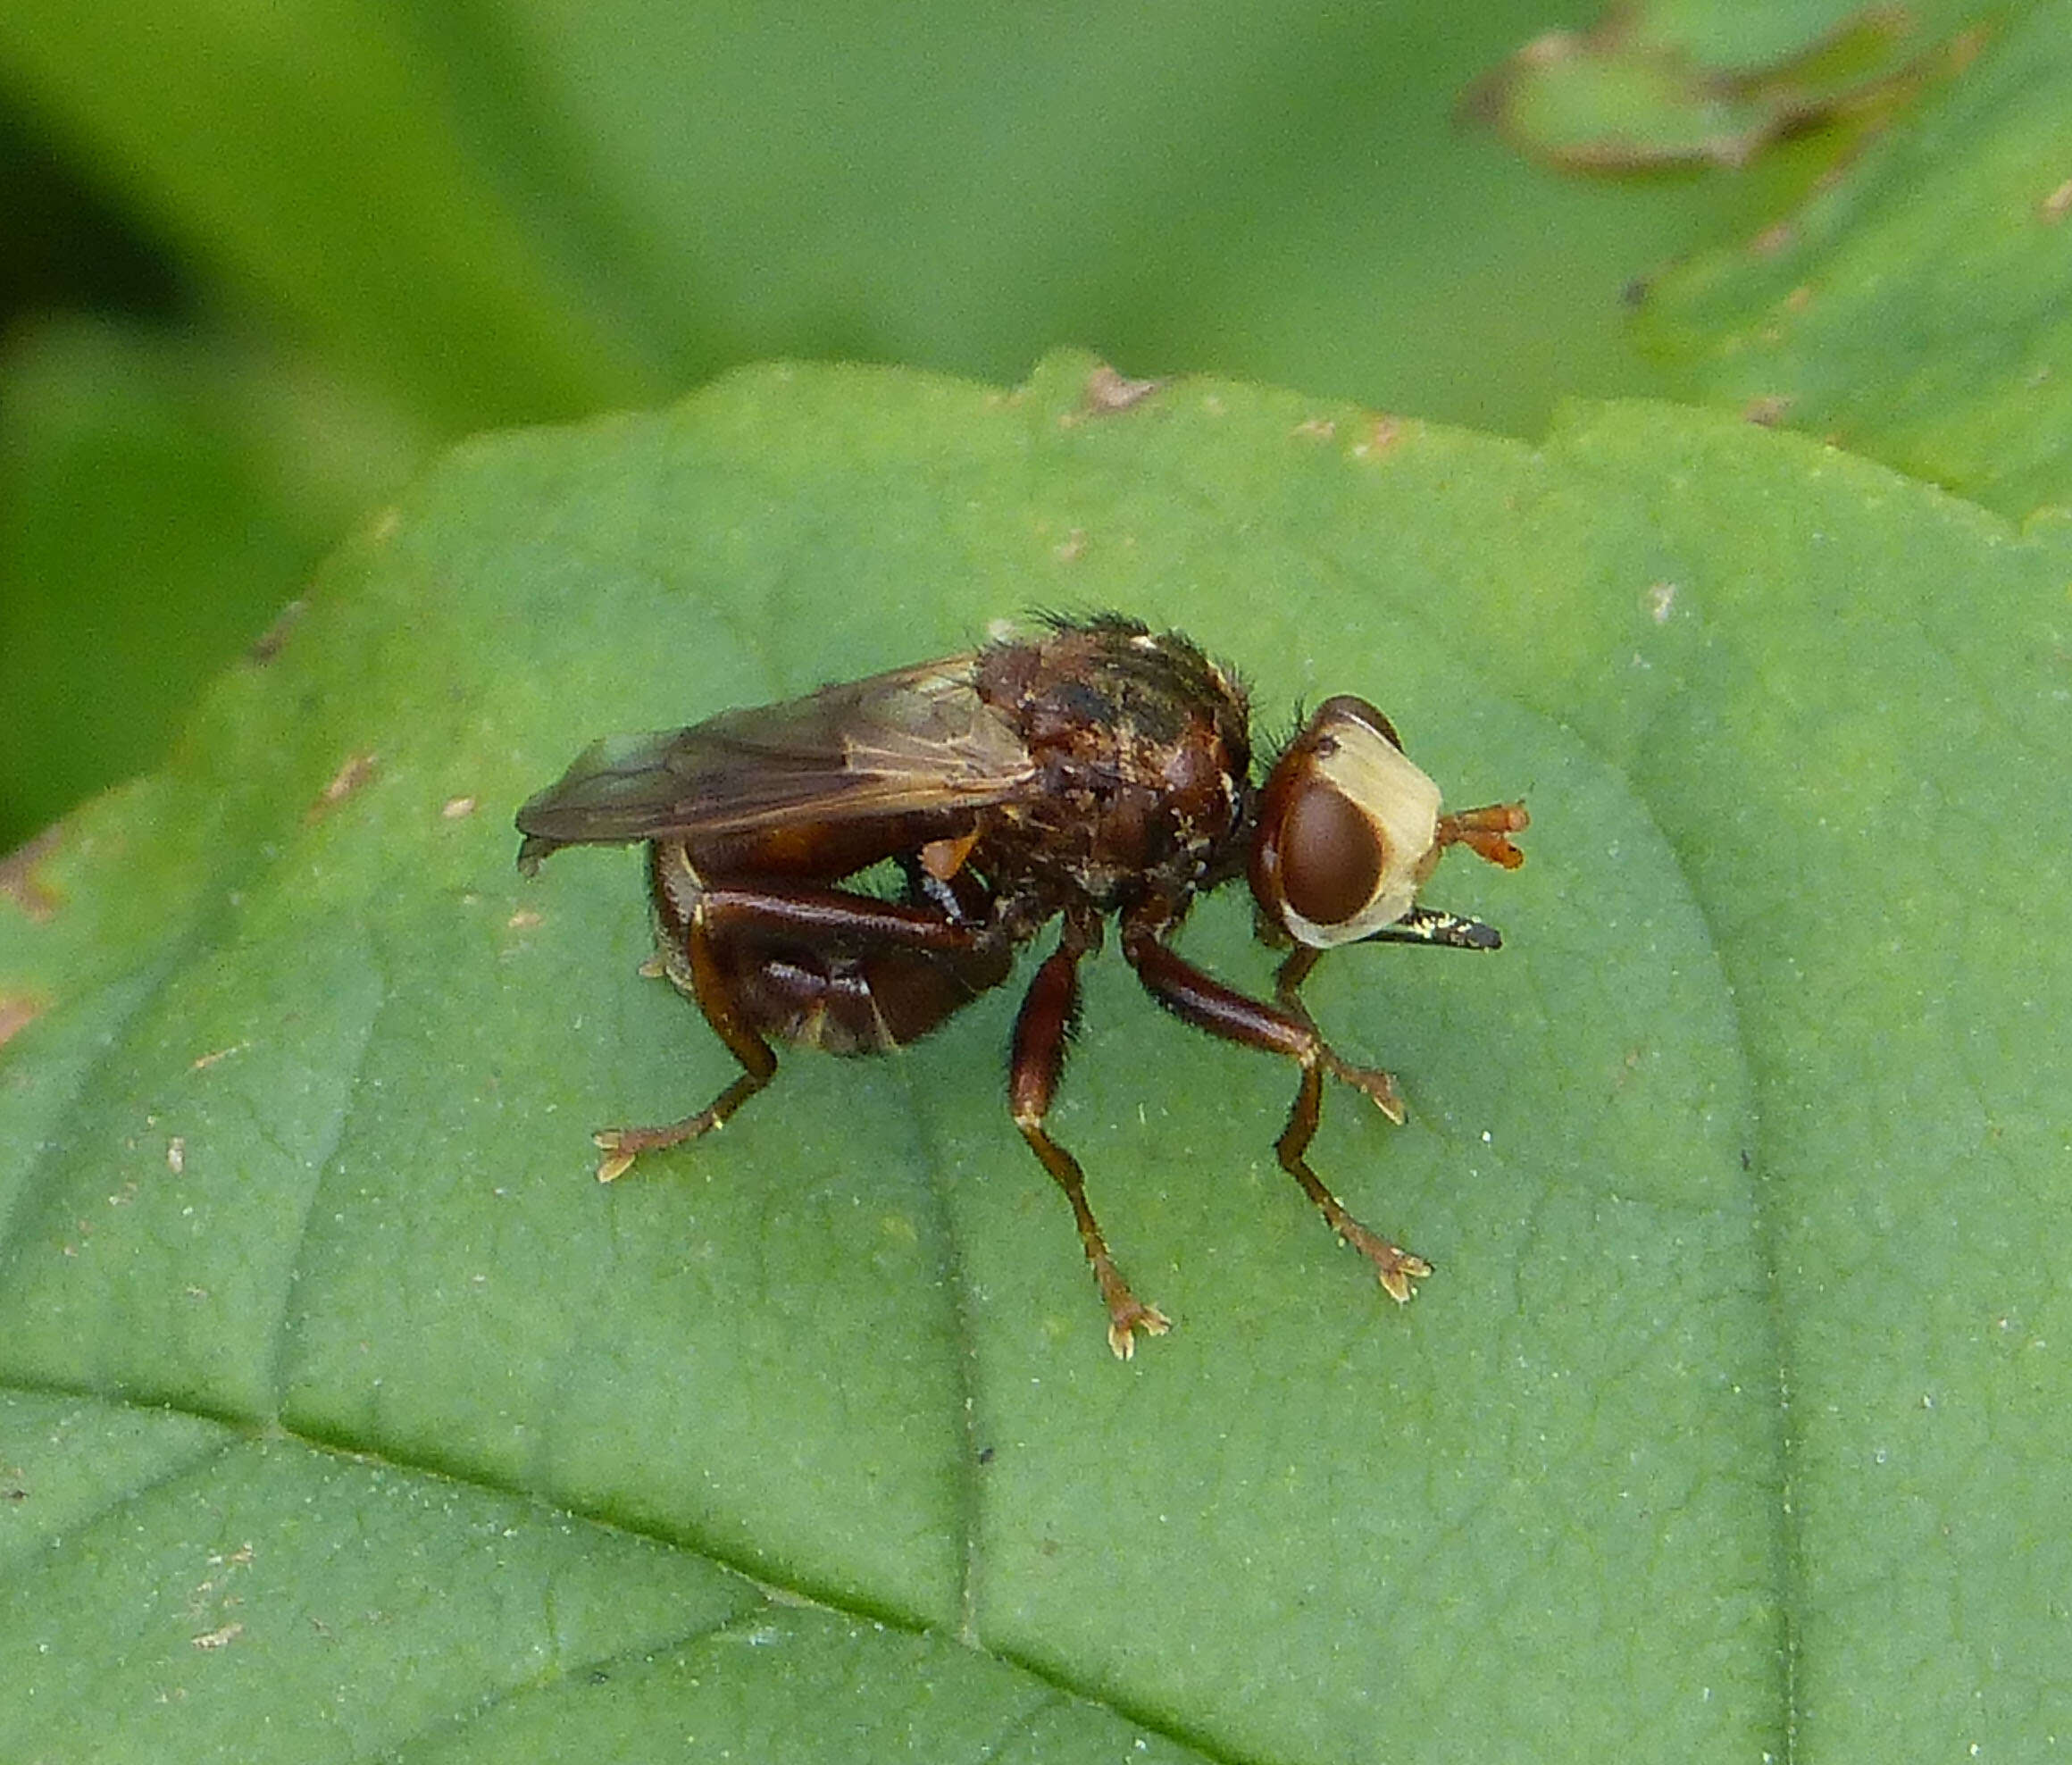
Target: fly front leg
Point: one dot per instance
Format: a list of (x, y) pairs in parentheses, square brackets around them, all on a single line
[(1378, 1085), (1048, 1013), (1399, 1270), (1205, 1002)]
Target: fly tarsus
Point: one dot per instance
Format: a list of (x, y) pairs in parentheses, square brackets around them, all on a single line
[(621, 1145)]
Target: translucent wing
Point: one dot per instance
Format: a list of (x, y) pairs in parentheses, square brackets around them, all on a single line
[(918, 740)]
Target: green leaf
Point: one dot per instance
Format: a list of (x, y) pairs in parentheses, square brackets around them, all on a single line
[(1637, 93), (343, 1407), (1920, 308)]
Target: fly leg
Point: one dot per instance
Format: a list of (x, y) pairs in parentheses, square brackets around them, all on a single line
[(1378, 1085), (1399, 1270), (702, 976), (1197, 999), (844, 971), (1047, 1014)]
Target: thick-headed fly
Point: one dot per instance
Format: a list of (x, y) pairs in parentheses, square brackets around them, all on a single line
[(1095, 769)]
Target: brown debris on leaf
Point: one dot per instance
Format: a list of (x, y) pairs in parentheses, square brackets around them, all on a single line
[(18, 1011), (1107, 392), (348, 778), (271, 641), (19, 881)]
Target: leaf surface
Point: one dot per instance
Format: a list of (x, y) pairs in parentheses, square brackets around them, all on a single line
[(1731, 1413), (1920, 308)]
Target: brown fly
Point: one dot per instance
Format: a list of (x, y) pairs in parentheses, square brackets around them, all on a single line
[(1096, 769)]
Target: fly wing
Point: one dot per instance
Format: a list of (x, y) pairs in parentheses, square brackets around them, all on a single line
[(916, 739)]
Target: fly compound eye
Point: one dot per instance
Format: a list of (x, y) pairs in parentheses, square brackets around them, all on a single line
[(1331, 855), (1347, 830)]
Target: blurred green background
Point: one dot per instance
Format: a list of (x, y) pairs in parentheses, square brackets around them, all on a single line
[(259, 262)]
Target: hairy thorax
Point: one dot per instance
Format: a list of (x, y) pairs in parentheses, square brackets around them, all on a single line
[(1143, 744)]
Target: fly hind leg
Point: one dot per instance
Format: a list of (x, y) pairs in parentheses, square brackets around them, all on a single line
[(841, 972), (703, 977)]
